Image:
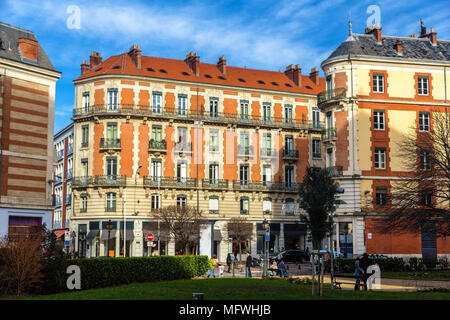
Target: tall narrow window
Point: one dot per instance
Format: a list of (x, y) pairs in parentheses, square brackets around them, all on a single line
[(329, 87), (422, 85), (111, 134), (156, 171), (288, 113), (156, 102), (244, 205), (244, 110), (289, 176), (289, 143), (243, 174), (213, 140), (267, 205), (85, 136), (83, 204), (424, 121), (267, 175), (111, 167), (84, 167), (112, 99), (380, 158), (182, 105), (111, 201), (214, 108), (214, 174), (425, 160), (155, 205), (245, 143), (267, 114), (316, 148), (157, 133), (181, 201), (181, 172), (316, 117), (86, 102), (378, 119), (267, 145), (378, 82), (213, 204), (381, 196), (426, 197), (289, 206)]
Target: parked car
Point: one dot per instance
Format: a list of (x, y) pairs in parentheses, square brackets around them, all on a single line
[(292, 256)]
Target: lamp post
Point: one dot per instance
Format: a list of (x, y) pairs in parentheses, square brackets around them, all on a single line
[(109, 226), (266, 227)]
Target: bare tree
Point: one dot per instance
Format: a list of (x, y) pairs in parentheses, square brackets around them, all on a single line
[(21, 257), (423, 196), (240, 230), (182, 222)]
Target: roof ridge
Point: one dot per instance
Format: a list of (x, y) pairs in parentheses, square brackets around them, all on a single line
[(15, 27)]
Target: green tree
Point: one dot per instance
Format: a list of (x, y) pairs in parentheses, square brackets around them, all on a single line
[(318, 194)]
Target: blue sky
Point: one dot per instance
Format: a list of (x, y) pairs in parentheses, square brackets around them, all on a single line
[(257, 34)]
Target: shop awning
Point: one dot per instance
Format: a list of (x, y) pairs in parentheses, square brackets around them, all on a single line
[(92, 234), (129, 235), (104, 236)]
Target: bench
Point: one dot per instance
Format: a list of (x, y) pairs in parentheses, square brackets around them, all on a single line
[(337, 284)]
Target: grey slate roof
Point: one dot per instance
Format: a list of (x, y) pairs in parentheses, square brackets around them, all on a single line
[(9, 46), (413, 48)]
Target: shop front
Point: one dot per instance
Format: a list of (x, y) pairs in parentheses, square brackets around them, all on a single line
[(151, 249), (274, 243), (294, 236)]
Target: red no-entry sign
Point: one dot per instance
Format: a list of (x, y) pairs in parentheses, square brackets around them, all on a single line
[(149, 236)]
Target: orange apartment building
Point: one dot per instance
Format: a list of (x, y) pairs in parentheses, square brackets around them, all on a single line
[(151, 132), (27, 102), (377, 88)]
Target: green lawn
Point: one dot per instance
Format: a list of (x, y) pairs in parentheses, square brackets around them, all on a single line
[(229, 289)]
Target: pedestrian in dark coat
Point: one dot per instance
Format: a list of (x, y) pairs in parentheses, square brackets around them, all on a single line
[(359, 273), (248, 264), (229, 261)]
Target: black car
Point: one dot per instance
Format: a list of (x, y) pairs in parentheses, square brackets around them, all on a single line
[(292, 256)]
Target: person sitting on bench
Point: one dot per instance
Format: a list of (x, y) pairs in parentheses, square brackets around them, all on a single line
[(274, 268)]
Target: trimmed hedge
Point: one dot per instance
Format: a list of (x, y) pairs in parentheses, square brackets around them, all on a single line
[(105, 272)]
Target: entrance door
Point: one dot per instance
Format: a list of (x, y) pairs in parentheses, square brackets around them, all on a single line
[(429, 251)]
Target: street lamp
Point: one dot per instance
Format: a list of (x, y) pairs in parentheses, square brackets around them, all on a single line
[(109, 226), (266, 227)]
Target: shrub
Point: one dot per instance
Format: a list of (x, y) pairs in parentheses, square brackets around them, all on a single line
[(104, 272), (344, 265)]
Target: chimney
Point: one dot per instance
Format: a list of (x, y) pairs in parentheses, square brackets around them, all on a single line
[(314, 75), (193, 61), (295, 74), (433, 37), (84, 67), (222, 65), (135, 55), (95, 59), (398, 48), (375, 30), (28, 48)]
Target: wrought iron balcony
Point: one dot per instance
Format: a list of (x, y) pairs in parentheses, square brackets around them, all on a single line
[(290, 154), (267, 212), (336, 171), (268, 153), (269, 186), (244, 150), (101, 180), (187, 114), (329, 134), (110, 144), (331, 95), (215, 183), (155, 145), (183, 147), (170, 182)]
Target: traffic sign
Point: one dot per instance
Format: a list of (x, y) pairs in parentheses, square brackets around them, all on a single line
[(268, 234), (150, 237)]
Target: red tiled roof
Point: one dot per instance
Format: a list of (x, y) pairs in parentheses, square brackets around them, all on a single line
[(209, 73)]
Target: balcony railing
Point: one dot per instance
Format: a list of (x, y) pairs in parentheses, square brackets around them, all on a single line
[(331, 95), (268, 152), (205, 115), (108, 144), (290, 154), (336, 171), (157, 145), (102, 180), (267, 212), (170, 182), (183, 147), (259, 185), (243, 150), (215, 183), (329, 134)]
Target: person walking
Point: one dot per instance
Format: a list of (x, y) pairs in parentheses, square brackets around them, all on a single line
[(364, 264), (212, 267), (229, 261), (248, 264), (359, 272), (282, 269), (279, 256)]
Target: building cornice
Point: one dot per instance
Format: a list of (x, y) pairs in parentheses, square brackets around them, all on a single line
[(51, 74)]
